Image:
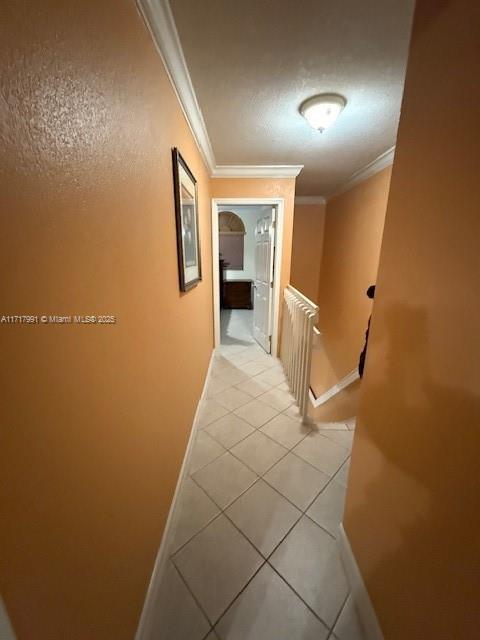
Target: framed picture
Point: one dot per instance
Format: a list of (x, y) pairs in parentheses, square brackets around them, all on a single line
[(186, 214)]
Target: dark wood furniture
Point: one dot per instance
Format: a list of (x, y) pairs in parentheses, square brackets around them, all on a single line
[(237, 294)]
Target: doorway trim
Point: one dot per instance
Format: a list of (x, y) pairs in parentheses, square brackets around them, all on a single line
[(279, 203)]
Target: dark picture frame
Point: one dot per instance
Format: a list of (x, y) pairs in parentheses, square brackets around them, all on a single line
[(186, 217)]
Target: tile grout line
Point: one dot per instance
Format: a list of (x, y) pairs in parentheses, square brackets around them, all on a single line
[(298, 595), (187, 586), (290, 450), (339, 613), (222, 510), (266, 559)]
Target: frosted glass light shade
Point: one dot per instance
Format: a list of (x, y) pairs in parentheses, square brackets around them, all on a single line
[(321, 111)]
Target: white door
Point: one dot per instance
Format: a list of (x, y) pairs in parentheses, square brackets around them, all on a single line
[(263, 286)]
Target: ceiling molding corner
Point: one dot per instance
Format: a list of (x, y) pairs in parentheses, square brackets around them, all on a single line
[(159, 20), (310, 200), (257, 171), (384, 160), (161, 24)]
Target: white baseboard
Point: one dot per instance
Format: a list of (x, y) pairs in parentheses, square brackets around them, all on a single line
[(360, 596), (340, 386), (144, 631), (6, 629)]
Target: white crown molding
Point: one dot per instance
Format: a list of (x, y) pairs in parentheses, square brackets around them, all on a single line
[(310, 200), (257, 171), (384, 160), (160, 22), (329, 393), (360, 595)]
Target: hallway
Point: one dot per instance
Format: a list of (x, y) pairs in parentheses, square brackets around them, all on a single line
[(252, 545)]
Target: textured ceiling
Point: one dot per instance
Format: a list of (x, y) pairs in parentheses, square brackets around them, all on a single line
[(252, 62)]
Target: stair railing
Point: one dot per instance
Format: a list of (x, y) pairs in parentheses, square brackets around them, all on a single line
[(299, 317)]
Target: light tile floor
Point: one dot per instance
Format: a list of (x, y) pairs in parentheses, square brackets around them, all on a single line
[(252, 550)]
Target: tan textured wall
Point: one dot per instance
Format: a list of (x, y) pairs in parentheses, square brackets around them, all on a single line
[(94, 419), (351, 249), (307, 247), (412, 512)]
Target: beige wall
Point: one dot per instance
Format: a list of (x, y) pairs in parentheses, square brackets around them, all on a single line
[(307, 247), (351, 248), (95, 419), (412, 513)]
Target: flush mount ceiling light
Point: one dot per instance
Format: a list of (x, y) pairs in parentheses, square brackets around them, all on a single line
[(321, 111)]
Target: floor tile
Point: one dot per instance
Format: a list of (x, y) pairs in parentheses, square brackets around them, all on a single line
[(229, 430), (258, 452), (248, 410), (285, 430), (233, 398), (205, 450), (308, 560), (217, 564), (243, 357), (254, 388), (219, 371), (225, 479), (236, 346), (193, 511), (296, 480), (263, 516), (343, 438), (267, 361), (216, 385), (256, 413), (220, 363), (176, 615), (253, 368), (327, 510), (348, 626), (342, 475), (272, 376), (254, 350), (324, 454), (233, 375), (269, 610), (277, 399), (293, 413), (209, 411)]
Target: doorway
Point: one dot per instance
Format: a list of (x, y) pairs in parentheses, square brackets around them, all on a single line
[(246, 252)]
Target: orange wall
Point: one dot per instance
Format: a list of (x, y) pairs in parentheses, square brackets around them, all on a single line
[(351, 248), (95, 419), (412, 512), (264, 188), (308, 228)]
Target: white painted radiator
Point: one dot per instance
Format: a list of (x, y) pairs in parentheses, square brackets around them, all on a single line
[(299, 317)]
